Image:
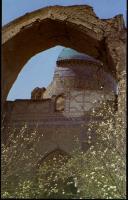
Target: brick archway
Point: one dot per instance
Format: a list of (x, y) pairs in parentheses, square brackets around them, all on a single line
[(76, 27)]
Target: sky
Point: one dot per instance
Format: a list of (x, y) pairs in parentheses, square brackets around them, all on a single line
[(34, 73)]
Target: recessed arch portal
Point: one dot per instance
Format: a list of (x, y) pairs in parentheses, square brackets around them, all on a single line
[(55, 155), (59, 103)]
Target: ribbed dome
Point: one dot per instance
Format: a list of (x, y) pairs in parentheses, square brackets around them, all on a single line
[(74, 72), (71, 54), (65, 69)]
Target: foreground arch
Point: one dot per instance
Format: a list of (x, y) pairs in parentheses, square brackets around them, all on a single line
[(76, 27)]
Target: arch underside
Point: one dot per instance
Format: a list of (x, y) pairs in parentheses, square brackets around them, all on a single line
[(29, 35)]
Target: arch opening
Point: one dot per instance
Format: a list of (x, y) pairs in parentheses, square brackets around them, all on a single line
[(58, 31), (80, 78), (59, 103), (37, 73), (51, 174), (41, 76)]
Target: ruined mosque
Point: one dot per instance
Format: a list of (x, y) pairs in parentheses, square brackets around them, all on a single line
[(89, 70), (60, 110)]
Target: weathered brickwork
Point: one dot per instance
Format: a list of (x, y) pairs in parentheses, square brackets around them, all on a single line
[(80, 81)]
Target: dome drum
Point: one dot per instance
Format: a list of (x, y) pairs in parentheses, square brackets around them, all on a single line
[(79, 72)]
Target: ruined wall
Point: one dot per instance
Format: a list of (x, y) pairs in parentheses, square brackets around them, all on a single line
[(56, 130), (76, 27)]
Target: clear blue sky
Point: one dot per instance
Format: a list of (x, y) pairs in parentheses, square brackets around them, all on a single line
[(34, 72)]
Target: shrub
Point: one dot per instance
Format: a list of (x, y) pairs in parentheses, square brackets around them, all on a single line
[(97, 173)]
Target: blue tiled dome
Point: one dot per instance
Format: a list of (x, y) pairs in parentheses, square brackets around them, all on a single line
[(67, 54)]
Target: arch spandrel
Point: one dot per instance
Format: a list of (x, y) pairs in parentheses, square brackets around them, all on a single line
[(75, 27)]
